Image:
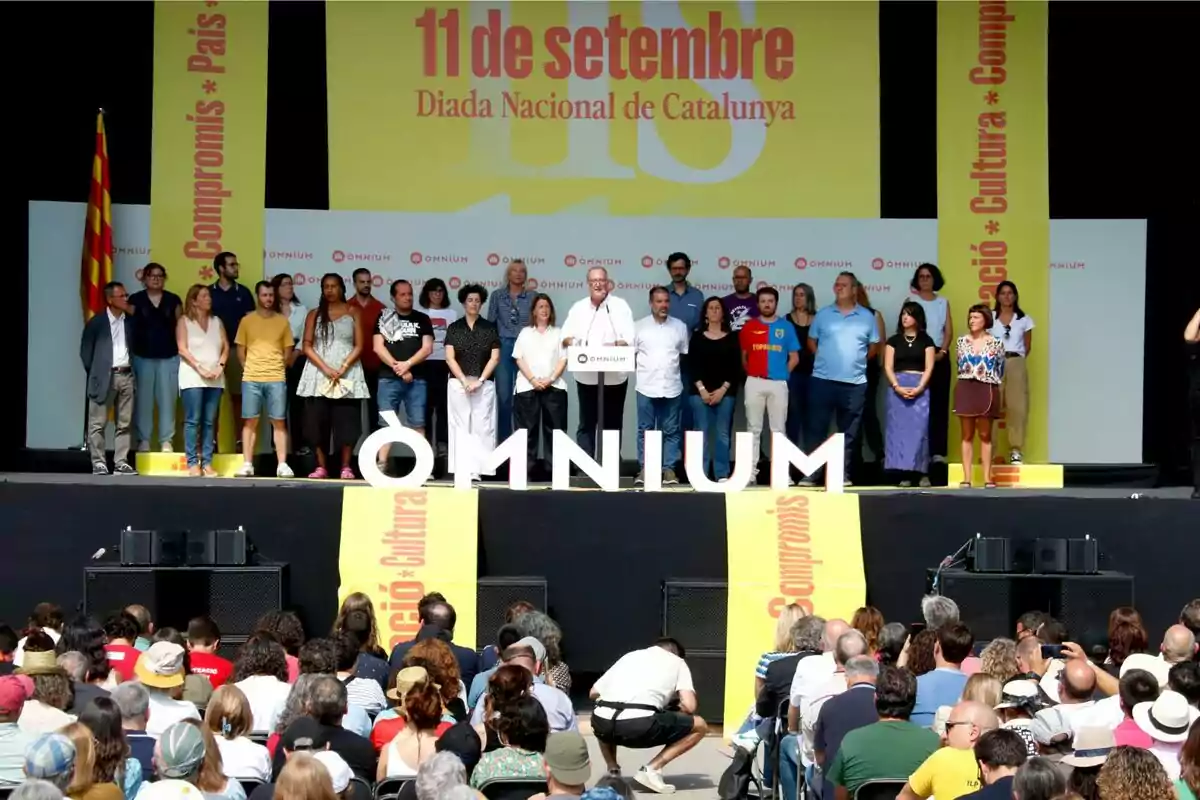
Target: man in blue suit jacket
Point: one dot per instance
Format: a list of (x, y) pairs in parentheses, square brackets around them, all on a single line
[(105, 353)]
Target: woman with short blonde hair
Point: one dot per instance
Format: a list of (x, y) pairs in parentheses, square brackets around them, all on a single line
[(229, 719), (999, 659), (83, 784), (304, 778), (983, 688), (203, 350)]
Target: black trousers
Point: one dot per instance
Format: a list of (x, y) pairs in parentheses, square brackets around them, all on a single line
[(297, 433), (589, 409), (372, 378), (336, 421), (541, 413), (939, 407), (872, 431), (437, 430)]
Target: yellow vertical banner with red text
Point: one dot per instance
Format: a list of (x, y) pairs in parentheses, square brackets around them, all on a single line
[(993, 177), (209, 160), (785, 547), (399, 544), (691, 109)]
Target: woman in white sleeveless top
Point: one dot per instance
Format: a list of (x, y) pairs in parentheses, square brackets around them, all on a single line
[(203, 349)]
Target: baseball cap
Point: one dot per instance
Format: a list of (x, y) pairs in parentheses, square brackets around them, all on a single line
[(566, 757), (1050, 726), (304, 734), (182, 747), (50, 756), (161, 666), (339, 770), (462, 740), (14, 691)]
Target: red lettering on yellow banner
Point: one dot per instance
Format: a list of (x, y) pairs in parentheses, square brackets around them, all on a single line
[(795, 557)]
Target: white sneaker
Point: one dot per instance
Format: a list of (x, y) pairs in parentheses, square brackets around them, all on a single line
[(1015, 457), (905, 484), (925, 483), (284, 471), (246, 470), (652, 779), (747, 741), (806, 482), (938, 459), (847, 482), (167, 447)]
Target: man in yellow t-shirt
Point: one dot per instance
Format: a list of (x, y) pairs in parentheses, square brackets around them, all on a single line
[(263, 341), (953, 771)]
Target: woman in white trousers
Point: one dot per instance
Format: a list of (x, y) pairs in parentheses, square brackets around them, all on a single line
[(472, 355)]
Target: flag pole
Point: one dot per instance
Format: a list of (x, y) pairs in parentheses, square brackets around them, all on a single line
[(83, 445)]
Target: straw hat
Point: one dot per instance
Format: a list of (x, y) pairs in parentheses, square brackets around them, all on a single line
[(41, 663), (406, 679)]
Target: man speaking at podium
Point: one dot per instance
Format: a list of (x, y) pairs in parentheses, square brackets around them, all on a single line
[(598, 319)]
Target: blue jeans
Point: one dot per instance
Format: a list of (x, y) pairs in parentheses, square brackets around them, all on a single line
[(199, 418), (714, 422), (797, 408), (789, 757), (829, 398), (394, 393), (156, 380), (659, 414), (272, 394), (506, 378)]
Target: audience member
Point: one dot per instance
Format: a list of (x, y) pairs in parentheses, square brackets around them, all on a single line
[(340, 774), (179, 759), (284, 627), (196, 688), (113, 761), (145, 625), (1178, 645), (918, 656), (364, 693), (75, 665), (508, 685), (36, 789), (999, 754), (522, 729), (869, 622), (892, 639), (322, 724), (567, 764), (851, 644), (85, 635), (1045, 670), (1052, 732), (938, 610), (539, 626), (437, 657), (632, 700), (261, 672), (296, 707), (161, 671), (1092, 747), (1185, 679), (51, 757), (848, 711), (943, 685), (1029, 622), (1038, 779), (1019, 701), (1137, 686), (14, 691), (527, 654), (385, 729), (507, 636), (807, 642), (46, 709), (491, 654), (813, 673), (983, 688), (230, 720), (358, 621), (83, 785), (890, 749), (434, 612), (413, 744), (203, 639), (1166, 721), (320, 657), (133, 702), (952, 771), (47, 618), (999, 659), (1189, 617), (121, 631), (1188, 785), (1076, 689), (462, 740), (8, 649), (1131, 773), (211, 779), (439, 775)]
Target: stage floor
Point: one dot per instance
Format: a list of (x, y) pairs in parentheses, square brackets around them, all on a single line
[(1167, 493)]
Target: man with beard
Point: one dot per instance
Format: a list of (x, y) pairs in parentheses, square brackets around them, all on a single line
[(264, 340)]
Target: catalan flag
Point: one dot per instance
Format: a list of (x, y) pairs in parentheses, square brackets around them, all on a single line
[(97, 265)]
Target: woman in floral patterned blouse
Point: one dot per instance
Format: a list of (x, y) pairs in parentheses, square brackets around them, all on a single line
[(522, 728), (977, 393)]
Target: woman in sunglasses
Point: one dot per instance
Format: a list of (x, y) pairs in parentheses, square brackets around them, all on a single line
[(1014, 328)]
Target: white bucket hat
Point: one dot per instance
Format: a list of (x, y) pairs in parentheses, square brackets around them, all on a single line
[(1168, 719)]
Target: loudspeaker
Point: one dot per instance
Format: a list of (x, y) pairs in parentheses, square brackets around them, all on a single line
[(221, 548), (1084, 602), (695, 613), (493, 596), (235, 597), (708, 676), (1050, 556), (992, 555), (1083, 556)]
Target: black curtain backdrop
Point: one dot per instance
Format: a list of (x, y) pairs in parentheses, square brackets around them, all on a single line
[(1119, 148)]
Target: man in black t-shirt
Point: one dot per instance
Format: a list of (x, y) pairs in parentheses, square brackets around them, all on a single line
[(403, 340)]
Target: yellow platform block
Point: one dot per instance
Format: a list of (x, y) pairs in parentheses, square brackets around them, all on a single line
[(175, 464), (1013, 476)]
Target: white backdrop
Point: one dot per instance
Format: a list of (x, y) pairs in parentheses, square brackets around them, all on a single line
[(475, 246)]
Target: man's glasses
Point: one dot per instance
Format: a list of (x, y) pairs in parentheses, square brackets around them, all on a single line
[(950, 725)]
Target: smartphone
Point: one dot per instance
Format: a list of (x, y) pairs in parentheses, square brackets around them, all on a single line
[(916, 628), (1052, 651)]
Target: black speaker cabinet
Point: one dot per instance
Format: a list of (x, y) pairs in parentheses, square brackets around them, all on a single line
[(992, 555), (153, 548), (694, 613), (1083, 556), (493, 596), (1050, 556), (708, 676), (219, 548)]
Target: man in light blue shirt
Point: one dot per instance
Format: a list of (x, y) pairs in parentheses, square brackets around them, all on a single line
[(843, 337), (558, 708), (944, 685)]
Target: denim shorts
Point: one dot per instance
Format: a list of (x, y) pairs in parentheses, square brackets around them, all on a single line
[(394, 393), (271, 393)]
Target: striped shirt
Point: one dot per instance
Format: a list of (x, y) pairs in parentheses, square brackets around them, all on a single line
[(765, 661), (365, 694)]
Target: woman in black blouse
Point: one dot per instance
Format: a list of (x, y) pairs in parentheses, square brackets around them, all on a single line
[(804, 308), (714, 362), (472, 355), (908, 363)]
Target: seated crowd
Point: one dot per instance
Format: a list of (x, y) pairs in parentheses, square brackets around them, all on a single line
[(928, 712)]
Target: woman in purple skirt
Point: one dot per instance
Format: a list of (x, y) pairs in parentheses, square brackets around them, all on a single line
[(908, 364)]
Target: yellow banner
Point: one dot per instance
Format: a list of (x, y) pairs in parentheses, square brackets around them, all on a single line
[(398, 545), (993, 176), (692, 109), (793, 547)]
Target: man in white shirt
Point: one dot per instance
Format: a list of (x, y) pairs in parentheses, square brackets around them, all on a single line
[(812, 680), (632, 710), (160, 670), (598, 319), (660, 341), (104, 350)]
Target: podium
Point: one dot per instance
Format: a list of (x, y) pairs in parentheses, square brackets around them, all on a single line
[(600, 359)]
